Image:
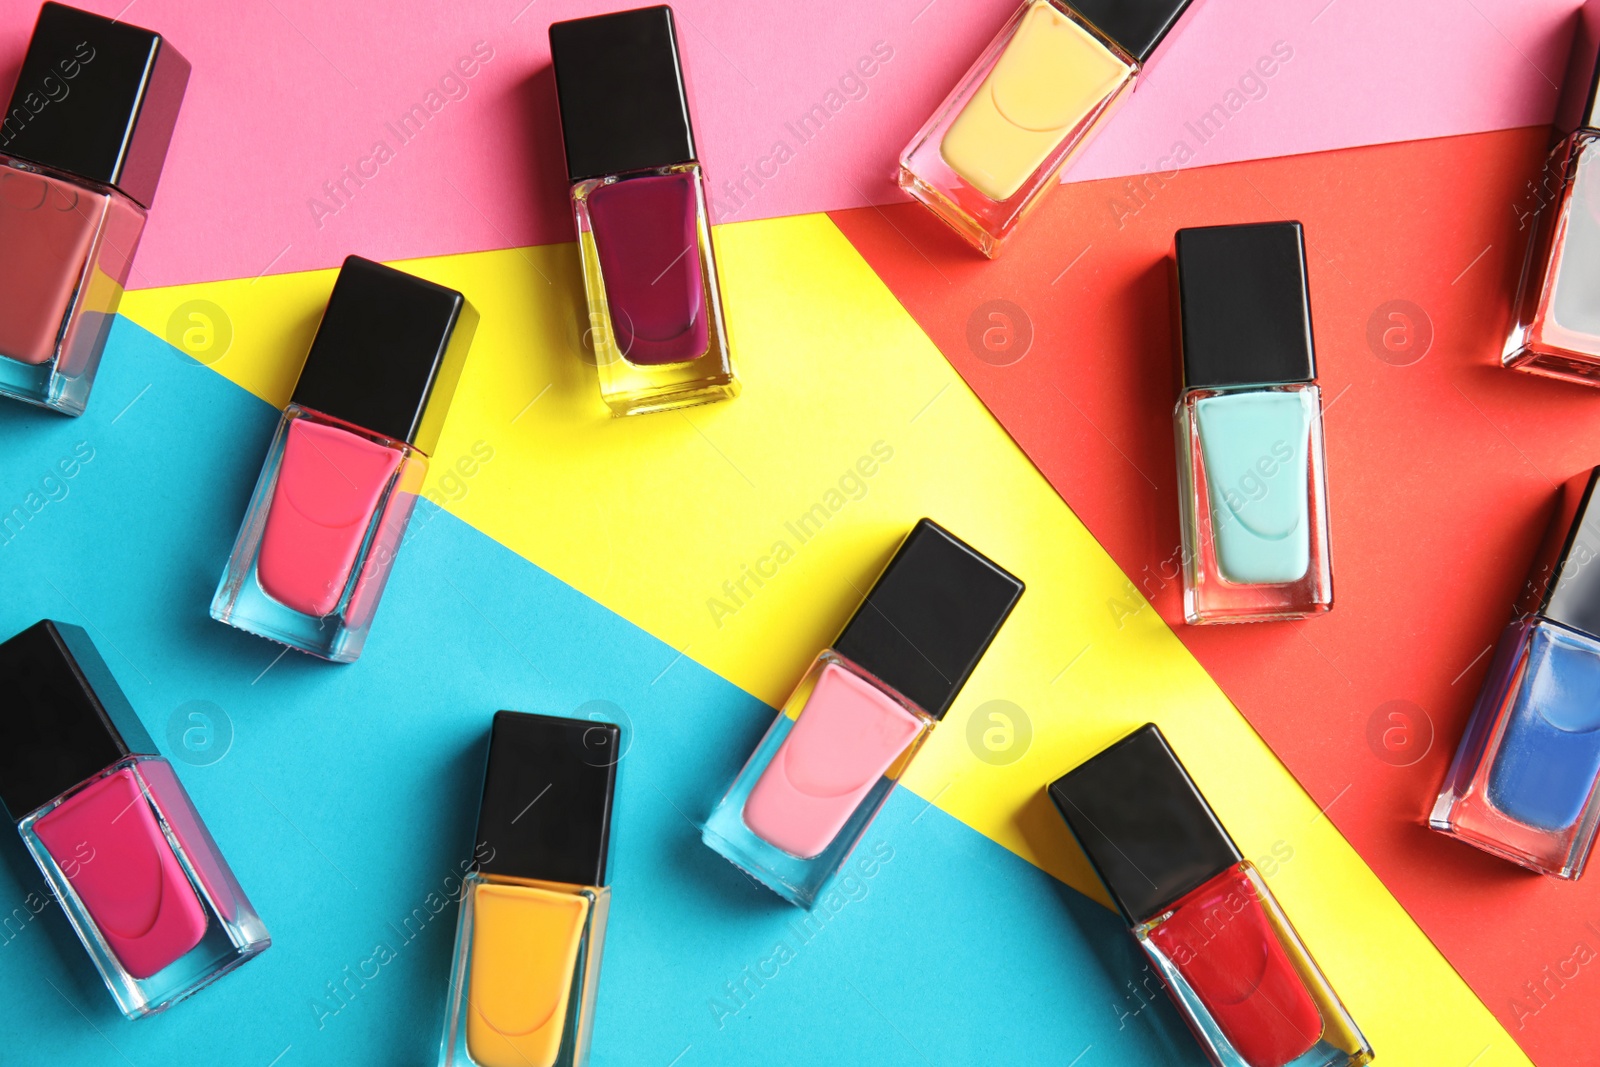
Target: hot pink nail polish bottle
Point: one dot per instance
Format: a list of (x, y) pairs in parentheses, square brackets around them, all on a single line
[(638, 198), (82, 143), (121, 846), (342, 476), (829, 761)]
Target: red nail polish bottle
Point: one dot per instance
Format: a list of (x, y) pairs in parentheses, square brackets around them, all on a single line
[(342, 476), (118, 840), (1234, 966), (82, 143), (638, 198)]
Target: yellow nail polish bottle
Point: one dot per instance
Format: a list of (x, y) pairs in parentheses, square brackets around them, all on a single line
[(1035, 97), (533, 912)]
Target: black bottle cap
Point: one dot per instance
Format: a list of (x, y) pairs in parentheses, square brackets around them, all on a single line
[(1564, 583), (388, 353), (63, 718), (1579, 104), (97, 99), (546, 811), (1146, 829), (620, 87), (1244, 305), (1138, 26), (929, 617)]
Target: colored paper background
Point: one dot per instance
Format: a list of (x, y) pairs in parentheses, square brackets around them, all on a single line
[(288, 93), (651, 517), (1442, 474), (333, 817), (345, 800)]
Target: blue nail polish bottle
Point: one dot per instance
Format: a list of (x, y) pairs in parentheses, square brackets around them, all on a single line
[(1524, 782), (1250, 459)]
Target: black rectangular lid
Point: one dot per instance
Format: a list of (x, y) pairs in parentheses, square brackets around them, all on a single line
[(63, 718), (547, 793), (620, 86), (930, 617), (97, 98), (1245, 305), (1143, 824), (388, 353)]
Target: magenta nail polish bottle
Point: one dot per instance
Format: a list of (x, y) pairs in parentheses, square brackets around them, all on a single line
[(638, 198), (120, 844), (342, 475), (814, 784), (82, 143)]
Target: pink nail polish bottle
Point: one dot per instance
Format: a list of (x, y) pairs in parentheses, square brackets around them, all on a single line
[(82, 143), (120, 844), (853, 724), (342, 476), (638, 198)]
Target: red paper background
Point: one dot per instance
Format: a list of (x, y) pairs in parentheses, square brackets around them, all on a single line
[(1442, 468)]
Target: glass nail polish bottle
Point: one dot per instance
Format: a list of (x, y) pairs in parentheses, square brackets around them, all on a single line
[(82, 143), (120, 844), (853, 724), (533, 913), (1523, 785), (1556, 327), (345, 467), (1252, 484), (1036, 96), (1241, 978), (638, 198)]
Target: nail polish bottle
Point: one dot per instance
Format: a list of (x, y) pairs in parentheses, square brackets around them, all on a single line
[(82, 143), (533, 911), (345, 467), (638, 199), (1523, 785), (1252, 484), (122, 849), (1241, 978), (858, 717), (1556, 327), (1041, 90)]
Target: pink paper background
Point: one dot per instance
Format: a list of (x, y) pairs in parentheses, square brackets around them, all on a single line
[(287, 92)]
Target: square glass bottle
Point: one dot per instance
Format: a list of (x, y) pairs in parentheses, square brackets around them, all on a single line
[(1252, 482), (639, 203), (526, 966), (1239, 974), (1555, 330), (121, 846), (1036, 96), (82, 143), (343, 472), (1525, 783), (841, 741)]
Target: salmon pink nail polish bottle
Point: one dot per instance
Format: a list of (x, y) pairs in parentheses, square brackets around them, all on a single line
[(853, 724), (121, 846), (82, 143), (1233, 964), (342, 476), (638, 199)]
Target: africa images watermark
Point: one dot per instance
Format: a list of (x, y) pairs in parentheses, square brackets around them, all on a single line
[(53, 88), (340, 191), (1200, 131), (851, 86), (51, 488), (752, 577), (339, 993), (851, 888)]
